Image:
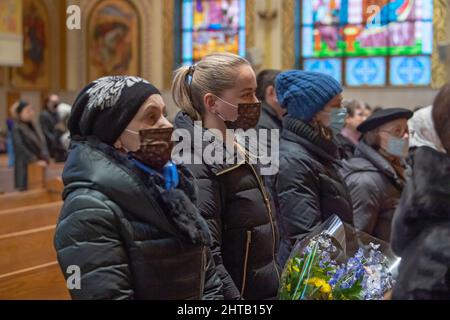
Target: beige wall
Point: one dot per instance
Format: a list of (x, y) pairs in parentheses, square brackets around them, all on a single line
[(268, 41)]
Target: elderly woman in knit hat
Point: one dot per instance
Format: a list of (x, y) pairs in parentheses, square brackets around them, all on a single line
[(129, 219), (28, 143), (309, 187), (375, 175)]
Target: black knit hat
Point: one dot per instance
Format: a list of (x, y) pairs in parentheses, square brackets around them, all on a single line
[(383, 116), (105, 107), (21, 106)]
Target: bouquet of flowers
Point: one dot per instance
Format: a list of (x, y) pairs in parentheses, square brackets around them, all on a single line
[(337, 262)]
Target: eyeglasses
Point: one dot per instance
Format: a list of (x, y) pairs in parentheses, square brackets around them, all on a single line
[(397, 133)]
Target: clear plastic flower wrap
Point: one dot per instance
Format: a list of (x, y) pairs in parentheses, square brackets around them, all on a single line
[(338, 262)]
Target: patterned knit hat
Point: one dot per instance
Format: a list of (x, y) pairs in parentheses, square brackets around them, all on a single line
[(105, 107), (305, 93)]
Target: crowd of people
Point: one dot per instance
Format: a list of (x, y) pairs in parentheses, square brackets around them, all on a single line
[(29, 141), (141, 225)]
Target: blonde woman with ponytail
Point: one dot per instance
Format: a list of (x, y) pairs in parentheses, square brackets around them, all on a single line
[(219, 91)]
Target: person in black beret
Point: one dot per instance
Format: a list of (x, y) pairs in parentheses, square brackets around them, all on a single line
[(28, 143), (421, 226), (129, 220), (376, 173)]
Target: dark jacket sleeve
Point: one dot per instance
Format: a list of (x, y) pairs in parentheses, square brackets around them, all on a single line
[(48, 128), (213, 284), (298, 197), (210, 207), (424, 272), (367, 199), (87, 236), (20, 147)]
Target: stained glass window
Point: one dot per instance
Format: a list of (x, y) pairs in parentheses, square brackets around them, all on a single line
[(212, 26), (377, 42)]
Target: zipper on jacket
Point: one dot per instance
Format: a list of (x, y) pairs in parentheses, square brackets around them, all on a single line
[(269, 211), (247, 248), (203, 271), (229, 169)]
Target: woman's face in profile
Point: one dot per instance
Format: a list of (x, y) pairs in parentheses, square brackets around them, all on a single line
[(244, 91), (152, 114)]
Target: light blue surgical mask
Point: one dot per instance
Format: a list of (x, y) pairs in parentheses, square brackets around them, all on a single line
[(337, 119), (397, 147)]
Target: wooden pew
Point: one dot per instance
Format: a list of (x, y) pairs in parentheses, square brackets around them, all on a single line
[(38, 175), (18, 199), (29, 217), (6, 179), (26, 249), (3, 160), (41, 282), (28, 266)]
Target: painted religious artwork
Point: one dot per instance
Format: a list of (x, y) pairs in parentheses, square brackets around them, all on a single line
[(212, 26), (10, 20), (35, 71), (113, 39), (367, 34), (11, 32)]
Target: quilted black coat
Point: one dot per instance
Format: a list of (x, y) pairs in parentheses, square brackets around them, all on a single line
[(130, 238), (233, 200)]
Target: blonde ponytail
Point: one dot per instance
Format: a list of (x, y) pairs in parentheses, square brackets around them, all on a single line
[(213, 74), (181, 92)]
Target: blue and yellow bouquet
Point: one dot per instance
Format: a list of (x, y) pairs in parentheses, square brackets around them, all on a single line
[(337, 262)]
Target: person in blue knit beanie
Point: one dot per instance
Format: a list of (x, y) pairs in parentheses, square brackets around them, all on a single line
[(309, 186)]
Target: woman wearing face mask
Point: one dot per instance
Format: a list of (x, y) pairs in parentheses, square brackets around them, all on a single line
[(129, 219), (309, 187), (376, 173), (28, 142), (219, 91)]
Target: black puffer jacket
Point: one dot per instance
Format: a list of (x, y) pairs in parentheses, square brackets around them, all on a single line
[(309, 187), (245, 238), (130, 238), (375, 189), (421, 229)]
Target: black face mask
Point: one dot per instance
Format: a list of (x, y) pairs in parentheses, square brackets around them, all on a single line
[(248, 116), (156, 147)]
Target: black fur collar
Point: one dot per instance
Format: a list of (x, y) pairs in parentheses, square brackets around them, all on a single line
[(178, 205), (426, 197)]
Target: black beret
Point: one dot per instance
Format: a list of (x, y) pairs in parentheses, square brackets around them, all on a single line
[(384, 116)]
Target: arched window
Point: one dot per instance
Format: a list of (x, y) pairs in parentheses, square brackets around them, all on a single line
[(209, 26), (367, 42)]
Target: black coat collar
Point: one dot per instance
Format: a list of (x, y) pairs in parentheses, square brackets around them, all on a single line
[(302, 133)]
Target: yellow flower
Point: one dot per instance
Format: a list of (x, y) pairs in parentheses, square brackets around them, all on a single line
[(288, 287), (320, 283)]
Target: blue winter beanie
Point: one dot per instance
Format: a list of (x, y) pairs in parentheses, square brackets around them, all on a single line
[(305, 93)]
